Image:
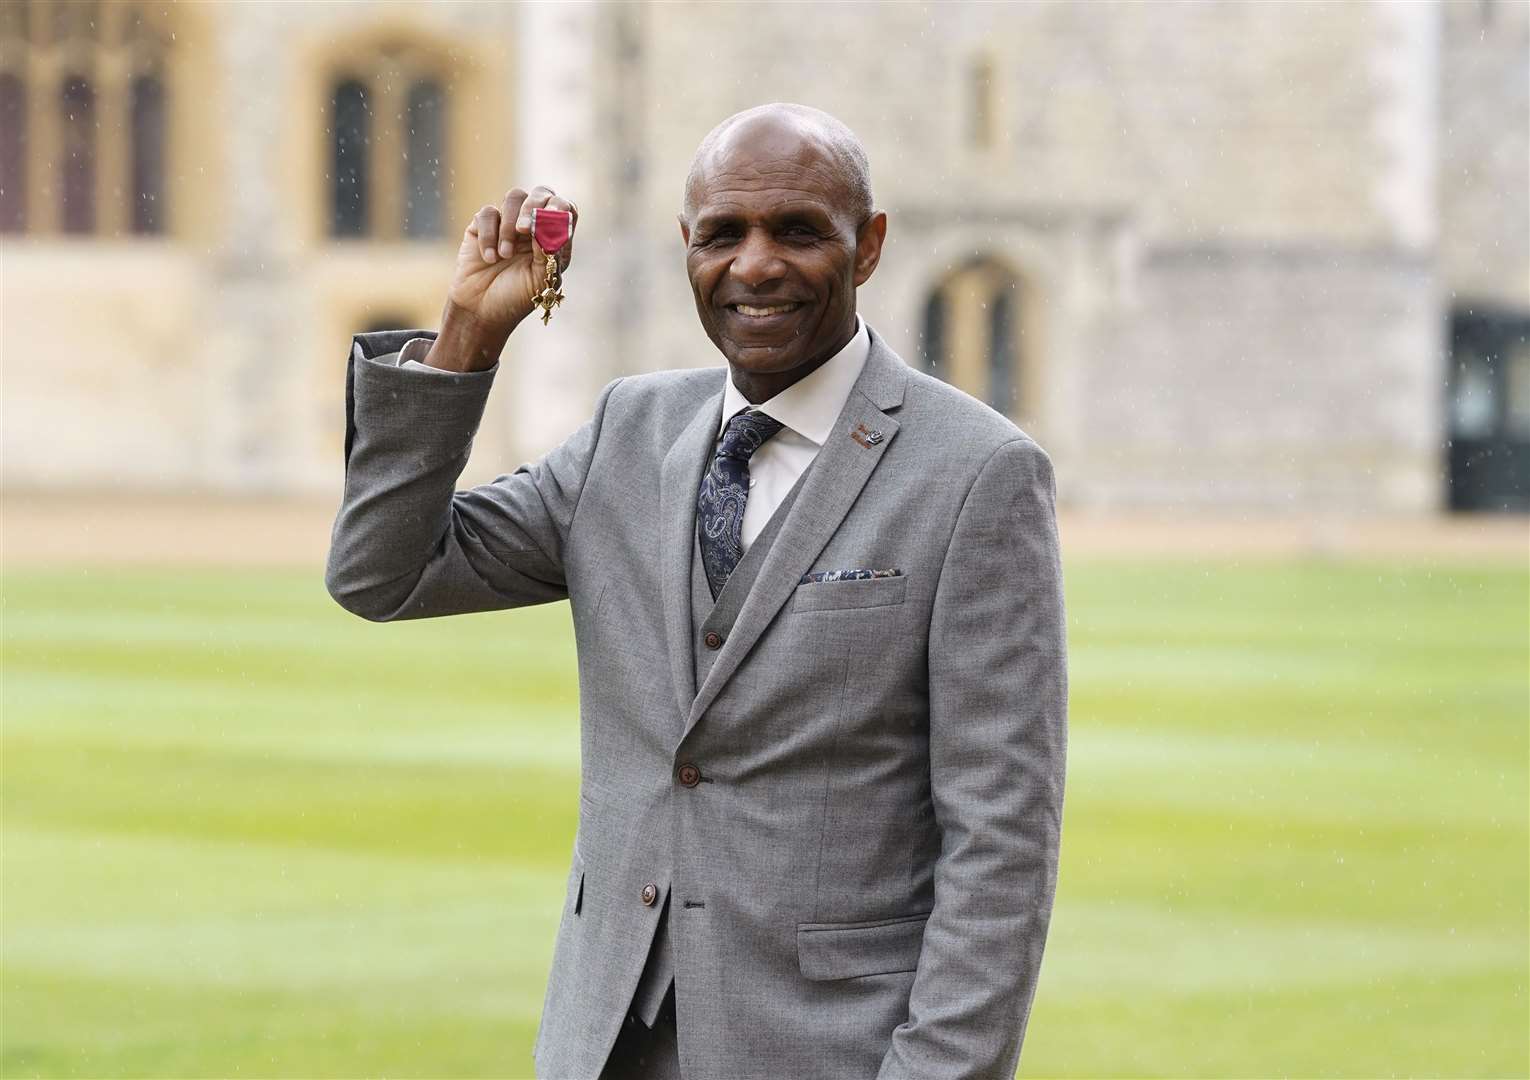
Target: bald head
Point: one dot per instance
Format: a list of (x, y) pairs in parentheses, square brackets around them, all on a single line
[(779, 233), (800, 133)]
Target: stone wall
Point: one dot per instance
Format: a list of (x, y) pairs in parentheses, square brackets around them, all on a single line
[(1239, 226), (1485, 148), (1276, 378)]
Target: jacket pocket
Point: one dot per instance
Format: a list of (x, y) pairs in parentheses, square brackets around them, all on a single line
[(849, 593), (845, 950)]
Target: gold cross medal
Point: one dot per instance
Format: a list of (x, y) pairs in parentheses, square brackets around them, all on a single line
[(551, 229)]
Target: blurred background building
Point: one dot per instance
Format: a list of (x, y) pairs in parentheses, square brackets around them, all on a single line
[(1234, 255)]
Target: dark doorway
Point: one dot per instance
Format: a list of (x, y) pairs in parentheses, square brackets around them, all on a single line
[(1488, 410), (972, 334)]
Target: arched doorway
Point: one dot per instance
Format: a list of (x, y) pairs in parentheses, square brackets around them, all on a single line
[(973, 335), (1488, 410)]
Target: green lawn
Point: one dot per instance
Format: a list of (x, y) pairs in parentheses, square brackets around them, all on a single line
[(248, 834)]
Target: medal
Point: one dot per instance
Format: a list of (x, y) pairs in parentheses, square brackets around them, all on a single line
[(551, 230)]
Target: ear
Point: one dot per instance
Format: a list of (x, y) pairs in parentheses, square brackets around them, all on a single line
[(685, 229), (868, 246)]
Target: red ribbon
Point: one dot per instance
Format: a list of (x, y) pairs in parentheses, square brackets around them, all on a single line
[(551, 228)]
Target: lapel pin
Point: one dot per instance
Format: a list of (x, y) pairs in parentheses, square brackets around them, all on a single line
[(867, 437)]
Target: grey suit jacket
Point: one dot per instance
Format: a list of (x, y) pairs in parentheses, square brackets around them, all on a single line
[(863, 884)]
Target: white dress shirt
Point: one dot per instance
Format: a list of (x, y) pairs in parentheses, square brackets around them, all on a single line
[(807, 408), (413, 354)]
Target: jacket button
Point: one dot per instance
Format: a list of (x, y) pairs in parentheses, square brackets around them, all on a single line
[(690, 776), (650, 893), (714, 640)]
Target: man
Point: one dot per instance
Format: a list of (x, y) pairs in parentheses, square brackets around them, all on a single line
[(818, 608)]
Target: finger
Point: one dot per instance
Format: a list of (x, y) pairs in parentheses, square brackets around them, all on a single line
[(535, 200), (484, 228), (512, 210)]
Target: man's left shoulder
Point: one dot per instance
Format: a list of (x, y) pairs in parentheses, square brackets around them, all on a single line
[(960, 430)]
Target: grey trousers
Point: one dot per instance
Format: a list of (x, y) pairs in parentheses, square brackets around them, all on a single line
[(641, 1054)]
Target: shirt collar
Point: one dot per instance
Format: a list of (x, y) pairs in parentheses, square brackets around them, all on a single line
[(810, 405)]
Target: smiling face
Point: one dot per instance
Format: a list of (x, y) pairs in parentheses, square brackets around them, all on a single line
[(774, 251)]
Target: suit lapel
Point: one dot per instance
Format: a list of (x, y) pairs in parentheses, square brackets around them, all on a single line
[(679, 479), (831, 486)]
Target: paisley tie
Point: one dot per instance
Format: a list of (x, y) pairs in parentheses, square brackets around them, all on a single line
[(724, 491)]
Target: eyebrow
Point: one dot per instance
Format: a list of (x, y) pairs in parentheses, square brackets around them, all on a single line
[(815, 216)]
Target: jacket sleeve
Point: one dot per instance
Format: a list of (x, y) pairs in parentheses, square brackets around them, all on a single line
[(998, 691), (405, 545)]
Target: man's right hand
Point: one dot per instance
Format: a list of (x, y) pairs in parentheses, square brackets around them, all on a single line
[(498, 277)]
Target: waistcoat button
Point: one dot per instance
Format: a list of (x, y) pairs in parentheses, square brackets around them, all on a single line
[(650, 893), (690, 776), (713, 639)]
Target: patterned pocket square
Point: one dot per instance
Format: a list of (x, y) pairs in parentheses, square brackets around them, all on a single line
[(846, 575)]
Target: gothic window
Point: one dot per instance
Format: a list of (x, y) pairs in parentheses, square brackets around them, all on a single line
[(422, 207), (148, 146), (1001, 350), (387, 132), (972, 334), (13, 153), (351, 128), (982, 109), (83, 117), (934, 343), (77, 180)]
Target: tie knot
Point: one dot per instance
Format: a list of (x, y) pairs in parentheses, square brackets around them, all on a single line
[(746, 432)]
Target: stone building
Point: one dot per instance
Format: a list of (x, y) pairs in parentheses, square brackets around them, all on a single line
[(1238, 255)]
